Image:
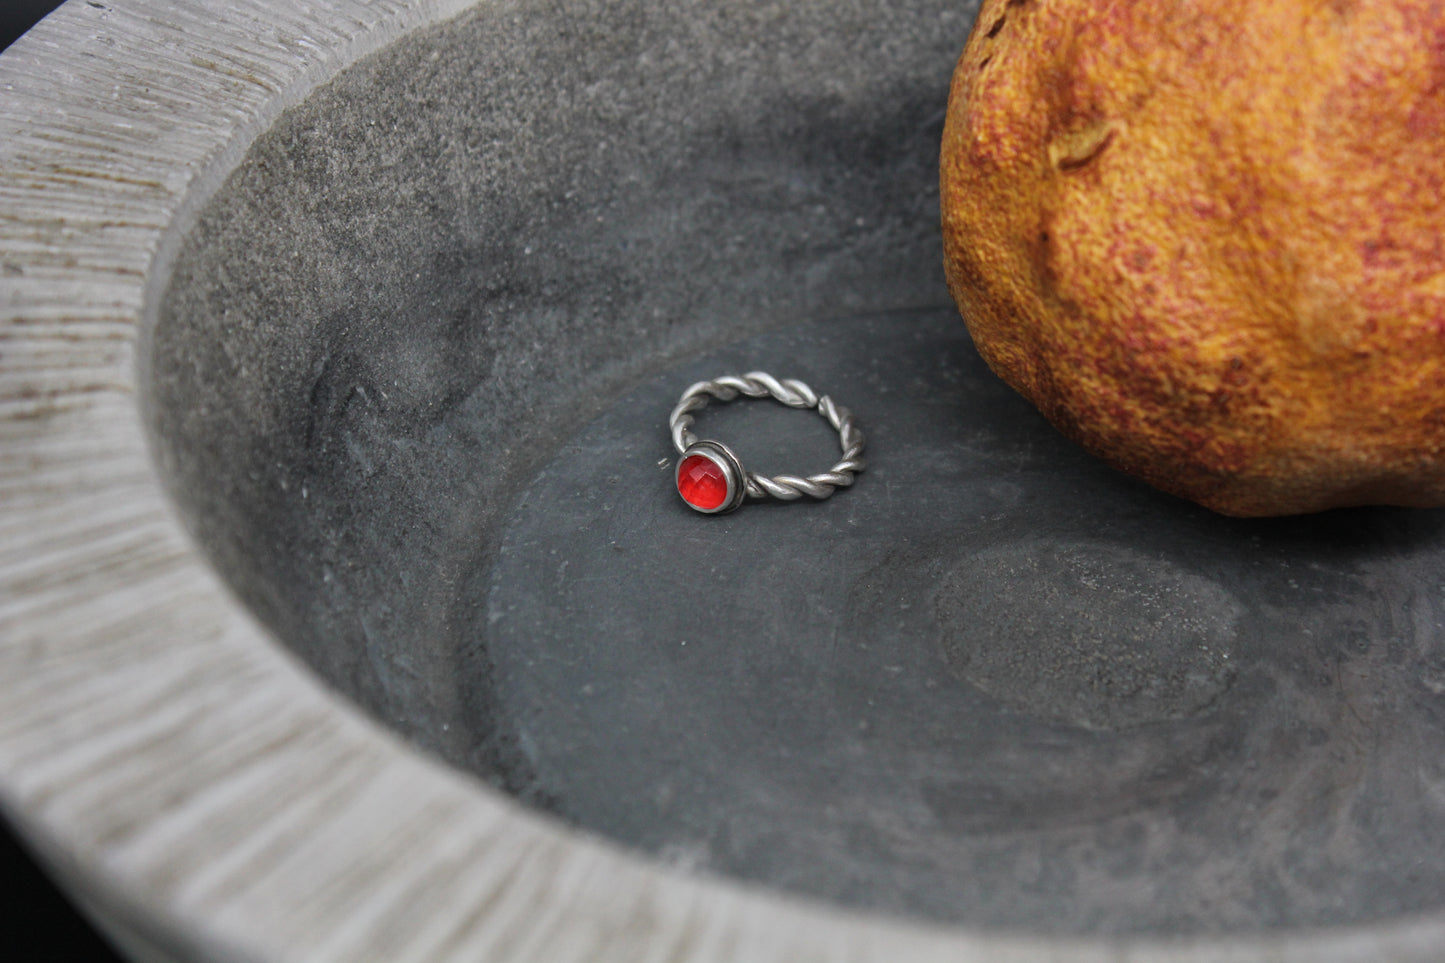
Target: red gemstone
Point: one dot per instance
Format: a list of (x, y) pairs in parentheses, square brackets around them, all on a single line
[(701, 482)]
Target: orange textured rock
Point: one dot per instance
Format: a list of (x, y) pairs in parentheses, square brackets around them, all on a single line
[(1205, 238)]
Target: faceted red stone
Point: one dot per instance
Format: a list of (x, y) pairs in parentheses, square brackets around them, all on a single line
[(701, 482)]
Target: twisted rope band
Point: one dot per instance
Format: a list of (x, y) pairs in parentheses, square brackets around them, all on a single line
[(794, 394)]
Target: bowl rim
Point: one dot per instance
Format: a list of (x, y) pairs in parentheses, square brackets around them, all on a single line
[(188, 780)]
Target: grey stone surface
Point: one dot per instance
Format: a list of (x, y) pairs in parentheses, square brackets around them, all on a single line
[(418, 281), (994, 684)]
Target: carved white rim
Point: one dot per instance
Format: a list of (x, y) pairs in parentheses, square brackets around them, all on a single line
[(185, 776)]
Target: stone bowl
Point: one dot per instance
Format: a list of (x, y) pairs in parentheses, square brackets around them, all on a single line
[(349, 613)]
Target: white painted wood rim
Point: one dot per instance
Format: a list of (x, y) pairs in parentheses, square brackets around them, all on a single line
[(179, 770)]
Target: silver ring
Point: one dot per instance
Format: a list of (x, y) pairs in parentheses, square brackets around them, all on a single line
[(709, 476)]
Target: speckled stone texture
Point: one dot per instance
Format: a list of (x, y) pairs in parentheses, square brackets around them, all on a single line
[(995, 683), (424, 278)]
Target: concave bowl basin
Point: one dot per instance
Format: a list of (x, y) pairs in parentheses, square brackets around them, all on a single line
[(351, 613)]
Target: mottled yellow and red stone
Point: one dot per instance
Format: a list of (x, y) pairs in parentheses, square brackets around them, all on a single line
[(1204, 237)]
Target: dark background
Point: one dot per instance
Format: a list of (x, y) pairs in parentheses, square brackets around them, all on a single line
[(36, 921), (16, 16)]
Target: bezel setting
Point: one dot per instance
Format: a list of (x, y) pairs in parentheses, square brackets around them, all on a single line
[(732, 471)]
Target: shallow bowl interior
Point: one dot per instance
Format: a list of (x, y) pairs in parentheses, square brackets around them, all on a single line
[(409, 384)]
